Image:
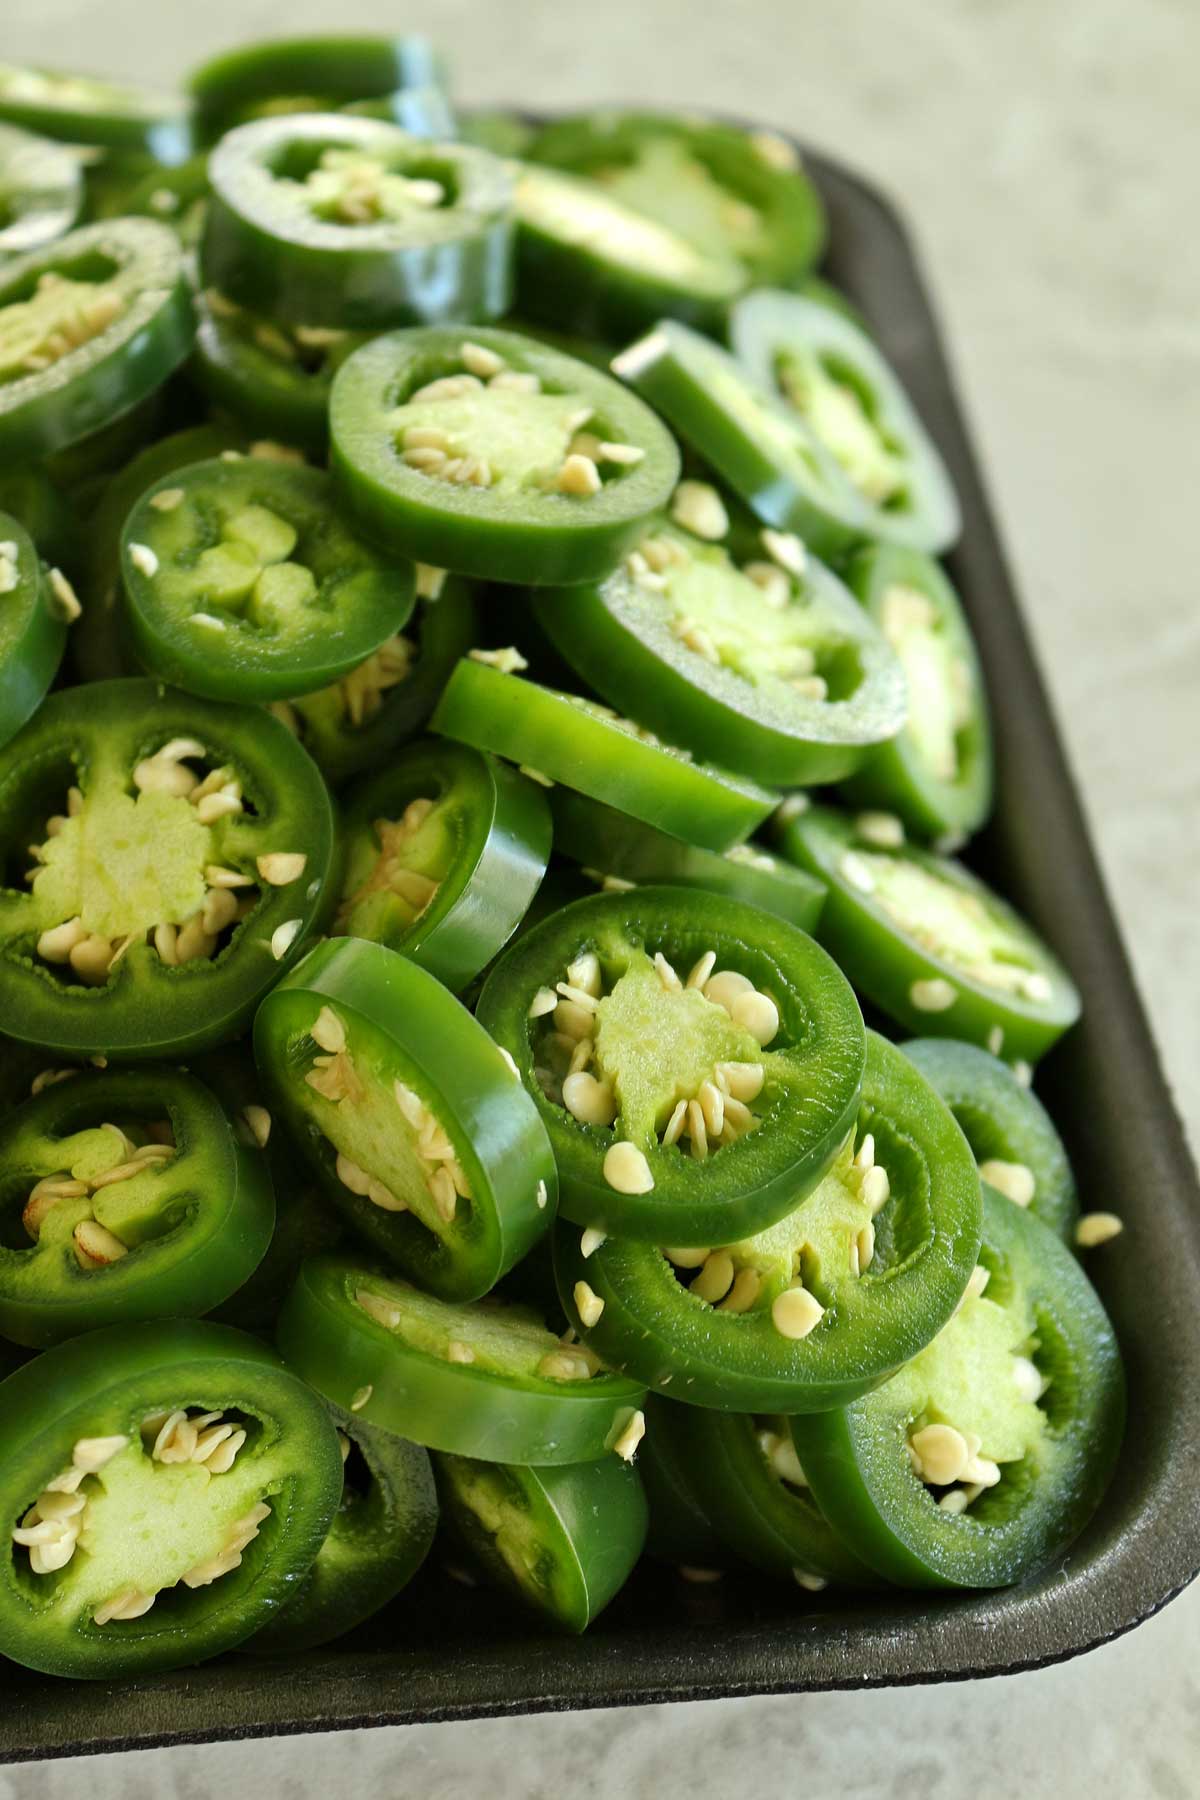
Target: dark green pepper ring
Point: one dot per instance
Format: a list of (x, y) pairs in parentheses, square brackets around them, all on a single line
[(33, 632), (82, 109), (275, 379), (229, 87)]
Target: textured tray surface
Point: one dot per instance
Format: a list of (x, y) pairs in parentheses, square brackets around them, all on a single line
[(444, 1652)]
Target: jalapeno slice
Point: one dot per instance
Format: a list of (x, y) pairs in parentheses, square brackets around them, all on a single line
[(749, 1483), (486, 1380), (416, 1127), (274, 378), (470, 452), (767, 656), (442, 854), (125, 1195), (242, 583), (325, 219), (983, 1459), (615, 847), (927, 941), (41, 191), (259, 77), (80, 109), (563, 737), (352, 725), (380, 1535), (33, 631), (830, 373), (1011, 1135), (182, 851), (679, 1530), (35, 502), (89, 326), (644, 1019), (177, 197), (426, 112), (936, 773), (822, 1305), (194, 1476), (561, 1541), (768, 454), (729, 193)]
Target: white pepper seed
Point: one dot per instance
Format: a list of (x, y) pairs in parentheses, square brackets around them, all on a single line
[(796, 1312), (626, 1169)]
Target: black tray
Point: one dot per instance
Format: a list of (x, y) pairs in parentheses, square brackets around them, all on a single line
[(444, 1652)]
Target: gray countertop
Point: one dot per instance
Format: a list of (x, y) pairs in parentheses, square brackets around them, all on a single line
[(1046, 156)]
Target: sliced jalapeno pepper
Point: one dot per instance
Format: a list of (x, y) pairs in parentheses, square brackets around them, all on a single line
[(443, 853), (638, 1020), (471, 454), (927, 941), (89, 326), (325, 219), (380, 1536), (256, 78), (486, 1380), (563, 737), (731, 194), (41, 191), (272, 377), (36, 503), (414, 1123), (770, 659), (84, 468), (821, 1306), (182, 851), (243, 584), (33, 631), (679, 1531), (81, 109), (935, 774), (125, 1195), (749, 1482), (615, 846), (352, 725), (1011, 1135), (830, 373), (562, 1541), (176, 197), (986, 1456), (195, 1477), (426, 112)]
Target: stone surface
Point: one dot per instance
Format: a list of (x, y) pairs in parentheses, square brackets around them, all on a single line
[(1046, 156)]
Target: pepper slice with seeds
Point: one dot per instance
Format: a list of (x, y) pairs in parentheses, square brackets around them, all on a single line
[(416, 1126), (561, 1541), (125, 1195), (170, 1484), (983, 1459), (563, 737), (495, 455), (326, 219), (443, 852), (41, 191), (380, 1536), (89, 326), (819, 1307), (274, 378), (176, 854), (696, 1062), (827, 371), (33, 630), (322, 71), (1011, 1134), (81, 109), (486, 1380), (761, 652), (242, 583), (927, 941)]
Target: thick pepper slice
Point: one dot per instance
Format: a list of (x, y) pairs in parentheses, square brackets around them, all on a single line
[(242, 582), (563, 737), (312, 72), (561, 1541), (132, 1198), (487, 1380), (648, 1020), (181, 855), (819, 1307), (89, 326), (927, 941), (495, 455), (417, 1128), (983, 1459), (169, 1486), (274, 378), (33, 630), (680, 1532), (80, 109), (327, 219), (380, 1535), (41, 191), (443, 852)]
